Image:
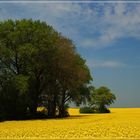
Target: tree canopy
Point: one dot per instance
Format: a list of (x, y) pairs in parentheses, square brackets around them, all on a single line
[(102, 97), (38, 66)]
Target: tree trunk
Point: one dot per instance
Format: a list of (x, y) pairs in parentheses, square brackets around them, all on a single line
[(33, 109), (52, 108), (62, 108)]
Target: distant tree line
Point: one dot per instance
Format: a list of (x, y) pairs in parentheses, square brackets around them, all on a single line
[(39, 67)]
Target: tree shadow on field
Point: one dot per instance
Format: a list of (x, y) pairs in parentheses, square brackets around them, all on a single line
[(78, 116)]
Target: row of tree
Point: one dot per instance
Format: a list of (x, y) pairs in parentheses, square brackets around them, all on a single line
[(39, 66)]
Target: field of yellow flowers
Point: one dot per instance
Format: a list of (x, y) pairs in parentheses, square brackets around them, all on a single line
[(122, 123)]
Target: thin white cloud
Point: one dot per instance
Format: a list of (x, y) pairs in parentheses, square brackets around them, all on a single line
[(104, 64), (117, 21), (98, 25)]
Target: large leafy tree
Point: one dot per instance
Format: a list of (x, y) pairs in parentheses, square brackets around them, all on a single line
[(67, 72), (36, 61)]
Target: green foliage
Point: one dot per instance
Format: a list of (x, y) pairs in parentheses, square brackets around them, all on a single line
[(86, 110), (101, 98), (21, 83), (103, 110), (36, 61)]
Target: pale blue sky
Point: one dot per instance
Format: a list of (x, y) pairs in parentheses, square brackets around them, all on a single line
[(107, 35)]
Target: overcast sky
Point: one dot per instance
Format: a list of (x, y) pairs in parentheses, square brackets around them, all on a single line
[(107, 35)]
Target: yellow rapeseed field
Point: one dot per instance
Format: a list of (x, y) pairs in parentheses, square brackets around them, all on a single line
[(122, 123)]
